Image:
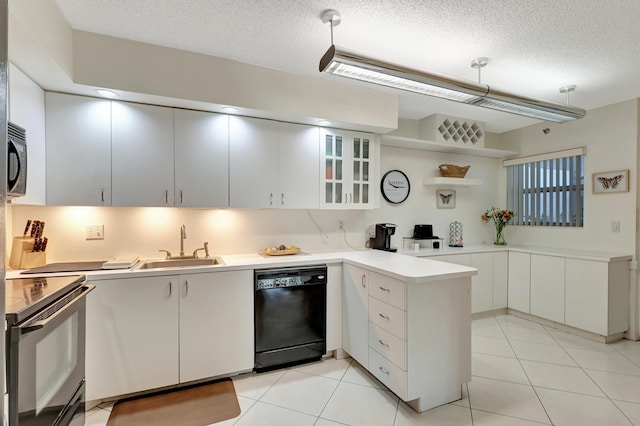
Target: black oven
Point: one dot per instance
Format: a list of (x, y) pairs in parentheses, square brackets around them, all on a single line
[(45, 351), (290, 316)]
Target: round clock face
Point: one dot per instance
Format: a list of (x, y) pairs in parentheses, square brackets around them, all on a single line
[(395, 186)]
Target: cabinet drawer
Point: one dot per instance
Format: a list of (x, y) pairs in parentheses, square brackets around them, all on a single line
[(388, 317), (388, 290), (389, 374), (391, 347)]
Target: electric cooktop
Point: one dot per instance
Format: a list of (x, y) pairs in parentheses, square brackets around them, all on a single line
[(24, 296)]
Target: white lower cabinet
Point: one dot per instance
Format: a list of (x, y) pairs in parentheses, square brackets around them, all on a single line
[(132, 336), (397, 334), (591, 295), (334, 307), (597, 296), (500, 279), (547, 287), (519, 281), (489, 286), (355, 315), (146, 333), (216, 324)]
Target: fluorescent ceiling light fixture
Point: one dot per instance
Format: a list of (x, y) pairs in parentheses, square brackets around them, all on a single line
[(230, 109), (347, 64), (106, 93)]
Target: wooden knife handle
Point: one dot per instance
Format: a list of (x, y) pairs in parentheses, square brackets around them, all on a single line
[(26, 228)]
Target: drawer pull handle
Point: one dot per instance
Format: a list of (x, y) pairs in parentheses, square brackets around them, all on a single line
[(384, 370), (383, 316), (363, 280), (383, 343), (384, 289)]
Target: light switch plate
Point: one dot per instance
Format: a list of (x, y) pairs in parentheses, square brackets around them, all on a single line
[(615, 226), (94, 232)]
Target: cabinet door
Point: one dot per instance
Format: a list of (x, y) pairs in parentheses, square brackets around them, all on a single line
[(78, 158), (142, 155), (201, 145), (482, 284), (333, 185), (587, 293), (355, 320), (216, 324), (500, 279), (547, 287), (519, 281), (298, 167), (347, 169), (253, 163), (27, 110), (334, 307), (132, 336), (362, 152)]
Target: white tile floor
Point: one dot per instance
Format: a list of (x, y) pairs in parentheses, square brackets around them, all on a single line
[(523, 374)]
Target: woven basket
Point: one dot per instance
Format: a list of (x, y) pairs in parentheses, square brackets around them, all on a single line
[(451, 170)]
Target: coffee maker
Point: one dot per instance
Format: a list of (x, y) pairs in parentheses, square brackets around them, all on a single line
[(382, 239)]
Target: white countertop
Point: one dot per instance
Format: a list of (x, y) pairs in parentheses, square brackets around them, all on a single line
[(406, 265), (571, 253), (396, 265)]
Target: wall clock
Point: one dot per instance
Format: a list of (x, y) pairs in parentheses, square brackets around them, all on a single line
[(395, 186)]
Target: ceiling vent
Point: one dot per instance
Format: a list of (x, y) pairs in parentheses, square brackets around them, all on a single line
[(449, 130)]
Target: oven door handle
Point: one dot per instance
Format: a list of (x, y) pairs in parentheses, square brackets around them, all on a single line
[(28, 327)]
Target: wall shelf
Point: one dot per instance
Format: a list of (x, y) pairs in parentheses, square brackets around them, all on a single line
[(451, 182), (402, 142)]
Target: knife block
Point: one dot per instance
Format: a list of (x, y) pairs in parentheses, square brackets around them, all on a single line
[(22, 255)]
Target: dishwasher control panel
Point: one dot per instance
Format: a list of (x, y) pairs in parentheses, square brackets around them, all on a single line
[(290, 277)]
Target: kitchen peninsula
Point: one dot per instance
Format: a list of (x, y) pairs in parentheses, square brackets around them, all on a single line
[(407, 320)]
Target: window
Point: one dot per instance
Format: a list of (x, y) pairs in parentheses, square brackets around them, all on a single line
[(547, 189)]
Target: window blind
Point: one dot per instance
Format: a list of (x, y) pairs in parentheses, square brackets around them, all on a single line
[(548, 191)]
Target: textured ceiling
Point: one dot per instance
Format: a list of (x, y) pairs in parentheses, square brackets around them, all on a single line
[(533, 47)]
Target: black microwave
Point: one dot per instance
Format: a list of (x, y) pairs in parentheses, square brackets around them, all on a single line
[(16, 161)]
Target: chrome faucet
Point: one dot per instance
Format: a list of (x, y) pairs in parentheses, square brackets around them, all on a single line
[(183, 236)]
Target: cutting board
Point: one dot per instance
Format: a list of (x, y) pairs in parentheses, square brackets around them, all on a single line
[(66, 267)]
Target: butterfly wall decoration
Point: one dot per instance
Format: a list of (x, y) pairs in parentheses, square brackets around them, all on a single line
[(616, 181), (445, 199)]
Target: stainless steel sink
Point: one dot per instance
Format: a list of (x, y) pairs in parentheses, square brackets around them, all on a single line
[(179, 263)]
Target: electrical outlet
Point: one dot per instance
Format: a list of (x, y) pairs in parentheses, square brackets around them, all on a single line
[(94, 232), (340, 224)]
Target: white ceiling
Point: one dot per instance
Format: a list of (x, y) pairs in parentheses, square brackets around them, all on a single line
[(534, 47)]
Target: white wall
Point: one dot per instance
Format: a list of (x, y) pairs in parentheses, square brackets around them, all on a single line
[(610, 135), (420, 207)]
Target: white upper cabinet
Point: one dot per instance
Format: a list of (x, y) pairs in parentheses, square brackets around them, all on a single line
[(201, 159), (272, 164), (347, 169), (78, 160), (142, 155), (27, 110)]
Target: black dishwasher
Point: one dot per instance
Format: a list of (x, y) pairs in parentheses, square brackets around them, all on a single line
[(290, 316)]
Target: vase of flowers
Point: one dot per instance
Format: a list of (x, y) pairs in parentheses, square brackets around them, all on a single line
[(501, 218)]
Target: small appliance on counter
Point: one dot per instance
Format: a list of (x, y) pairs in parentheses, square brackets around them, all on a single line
[(423, 232), (382, 238)]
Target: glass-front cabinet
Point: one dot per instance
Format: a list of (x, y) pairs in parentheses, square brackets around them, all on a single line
[(348, 169)]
